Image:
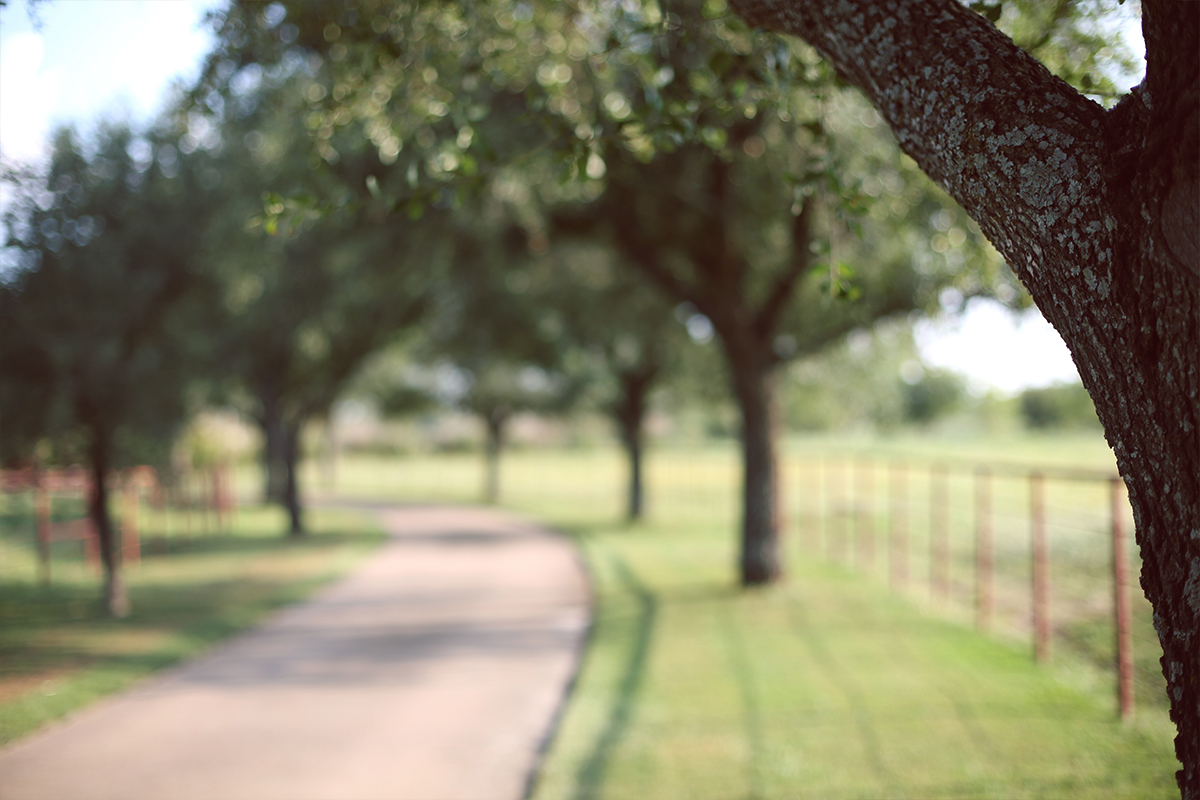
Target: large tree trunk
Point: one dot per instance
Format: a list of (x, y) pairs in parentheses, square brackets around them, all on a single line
[(116, 600), (1098, 212), (753, 375)]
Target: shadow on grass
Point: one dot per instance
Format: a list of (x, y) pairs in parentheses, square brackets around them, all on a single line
[(200, 599), (590, 776), (65, 626), (855, 698), (748, 689)]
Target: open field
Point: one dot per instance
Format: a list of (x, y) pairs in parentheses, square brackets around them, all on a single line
[(191, 589)]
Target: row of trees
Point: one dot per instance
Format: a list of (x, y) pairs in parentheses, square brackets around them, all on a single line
[(445, 162)]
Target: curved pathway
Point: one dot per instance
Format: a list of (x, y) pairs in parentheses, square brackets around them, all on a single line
[(433, 672)]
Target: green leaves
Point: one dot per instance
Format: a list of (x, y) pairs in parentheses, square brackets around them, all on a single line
[(285, 216), (990, 11), (838, 281)]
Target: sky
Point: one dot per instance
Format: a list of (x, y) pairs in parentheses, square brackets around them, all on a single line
[(80, 61)]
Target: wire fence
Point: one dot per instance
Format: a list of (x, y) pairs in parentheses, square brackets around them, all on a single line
[(1044, 554), (1038, 552), (151, 511)]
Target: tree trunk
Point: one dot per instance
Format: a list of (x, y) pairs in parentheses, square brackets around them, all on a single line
[(1097, 212), (116, 600), (495, 421), (753, 375), (635, 497), (291, 487), (630, 413), (274, 456)]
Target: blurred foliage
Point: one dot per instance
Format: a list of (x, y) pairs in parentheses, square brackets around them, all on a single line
[(103, 288), (876, 380), (1078, 40), (1061, 406), (486, 171), (307, 298)]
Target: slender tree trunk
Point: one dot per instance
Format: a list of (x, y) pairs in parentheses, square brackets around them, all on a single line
[(630, 413), (631, 442), (753, 377), (495, 421), (635, 500), (291, 487), (116, 600)]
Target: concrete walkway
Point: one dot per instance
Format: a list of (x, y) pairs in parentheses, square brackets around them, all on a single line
[(434, 672)]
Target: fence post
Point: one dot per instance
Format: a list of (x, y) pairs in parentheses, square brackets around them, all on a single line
[(183, 497), (1041, 569), (835, 513), (218, 495), (91, 535), (939, 531), (985, 556), (130, 541), (812, 527), (41, 513), (1122, 604), (898, 523), (864, 509)]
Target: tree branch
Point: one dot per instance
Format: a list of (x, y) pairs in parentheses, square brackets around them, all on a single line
[(767, 318)]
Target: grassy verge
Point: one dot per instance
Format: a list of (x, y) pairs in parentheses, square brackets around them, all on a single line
[(61, 652), (823, 687)]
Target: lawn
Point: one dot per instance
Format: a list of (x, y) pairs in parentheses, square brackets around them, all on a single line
[(191, 589), (829, 685), (825, 687)]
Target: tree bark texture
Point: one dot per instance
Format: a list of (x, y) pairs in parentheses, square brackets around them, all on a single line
[(1098, 212), (116, 599)]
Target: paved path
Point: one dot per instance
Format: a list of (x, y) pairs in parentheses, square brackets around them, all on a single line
[(434, 672)]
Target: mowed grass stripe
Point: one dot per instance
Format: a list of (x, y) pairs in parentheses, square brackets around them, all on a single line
[(824, 687)]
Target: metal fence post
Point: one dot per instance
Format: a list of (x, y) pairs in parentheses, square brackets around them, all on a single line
[(1122, 604), (864, 506), (818, 506), (1041, 569), (939, 531), (835, 513), (985, 555), (898, 524)]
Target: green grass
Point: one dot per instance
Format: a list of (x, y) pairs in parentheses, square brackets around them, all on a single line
[(60, 651), (827, 686), (823, 687)]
